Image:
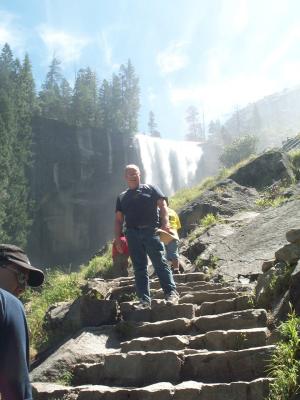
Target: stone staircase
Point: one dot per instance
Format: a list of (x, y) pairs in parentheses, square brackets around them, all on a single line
[(211, 346)]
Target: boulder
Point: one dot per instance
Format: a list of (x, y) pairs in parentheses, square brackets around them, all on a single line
[(275, 165), (293, 236), (90, 345), (290, 253), (266, 265), (226, 199), (67, 318)]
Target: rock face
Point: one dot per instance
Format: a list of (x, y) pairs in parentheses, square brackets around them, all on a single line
[(226, 199), (212, 345), (246, 240), (275, 166)]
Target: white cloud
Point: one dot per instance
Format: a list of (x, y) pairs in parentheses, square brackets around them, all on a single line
[(11, 32), (220, 98), (173, 58), (68, 48)]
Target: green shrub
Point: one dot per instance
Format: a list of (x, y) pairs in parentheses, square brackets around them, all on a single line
[(284, 366), (99, 266), (265, 202), (204, 224), (58, 287), (240, 149), (295, 158)]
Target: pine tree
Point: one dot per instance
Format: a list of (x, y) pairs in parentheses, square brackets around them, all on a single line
[(195, 131), (50, 96), (17, 99), (130, 98), (84, 103)]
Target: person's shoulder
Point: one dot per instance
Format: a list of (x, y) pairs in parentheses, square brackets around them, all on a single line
[(9, 299)]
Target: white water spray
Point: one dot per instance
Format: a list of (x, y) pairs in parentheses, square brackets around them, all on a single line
[(169, 164)]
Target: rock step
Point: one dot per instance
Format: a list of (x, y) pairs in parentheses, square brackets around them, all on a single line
[(140, 368), (222, 306), (246, 319), (210, 296), (213, 341), (185, 290), (254, 390), (160, 311)]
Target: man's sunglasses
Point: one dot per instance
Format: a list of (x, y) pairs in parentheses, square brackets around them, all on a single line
[(21, 276)]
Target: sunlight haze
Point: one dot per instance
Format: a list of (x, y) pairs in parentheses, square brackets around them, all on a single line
[(212, 54)]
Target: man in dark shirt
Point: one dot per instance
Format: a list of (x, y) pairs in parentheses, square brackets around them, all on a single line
[(140, 207), (15, 274)]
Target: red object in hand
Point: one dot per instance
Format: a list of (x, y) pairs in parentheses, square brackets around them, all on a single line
[(124, 245)]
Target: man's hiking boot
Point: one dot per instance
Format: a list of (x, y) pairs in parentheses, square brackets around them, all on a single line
[(172, 298), (142, 305)]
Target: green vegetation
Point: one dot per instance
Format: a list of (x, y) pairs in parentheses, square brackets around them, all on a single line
[(210, 264), (65, 378), (99, 266), (17, 104), (111, 106), (278, 285), (204, 224), (285, 365), (240, 149), (295, 158), (266, 202), (58, 287), (186, 195)]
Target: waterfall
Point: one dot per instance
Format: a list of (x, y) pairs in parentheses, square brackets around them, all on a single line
[(169, 164)]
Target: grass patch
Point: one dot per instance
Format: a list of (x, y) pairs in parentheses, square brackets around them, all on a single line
[(266, 202), (295, 159), (99, 266), (284, 366), (204, 224), (58, 287)]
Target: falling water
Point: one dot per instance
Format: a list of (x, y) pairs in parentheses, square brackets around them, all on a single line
[(169, 164)]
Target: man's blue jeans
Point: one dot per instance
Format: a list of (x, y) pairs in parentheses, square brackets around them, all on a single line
[(141, 242)]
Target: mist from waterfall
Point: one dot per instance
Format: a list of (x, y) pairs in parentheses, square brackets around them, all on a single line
[(169, 164)]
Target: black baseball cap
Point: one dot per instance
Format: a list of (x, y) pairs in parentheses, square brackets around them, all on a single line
[(15, 255)]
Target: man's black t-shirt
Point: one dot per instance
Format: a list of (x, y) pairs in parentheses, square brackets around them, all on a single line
[(14, 349), (139, 206)]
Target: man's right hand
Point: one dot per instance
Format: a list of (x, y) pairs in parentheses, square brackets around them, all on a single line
[(119, 246)]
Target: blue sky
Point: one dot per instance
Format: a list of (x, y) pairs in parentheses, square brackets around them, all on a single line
[(213, 54)]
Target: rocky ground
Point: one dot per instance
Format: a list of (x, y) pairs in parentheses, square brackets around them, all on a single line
[(212, 345), (216, 344)]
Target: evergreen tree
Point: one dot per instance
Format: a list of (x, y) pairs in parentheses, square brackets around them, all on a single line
[(84, 103), (50, 96), (195, 130), (65, 101), (130, 98), (17, 99)]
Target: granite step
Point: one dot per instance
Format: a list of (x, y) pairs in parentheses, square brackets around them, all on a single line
[(253, 390), (208, 296), (213, 340), (245, 319), (141, 368), (160, 311), (222, 306)]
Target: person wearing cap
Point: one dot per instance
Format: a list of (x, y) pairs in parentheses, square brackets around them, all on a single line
[(15, 274), (139, 206)]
